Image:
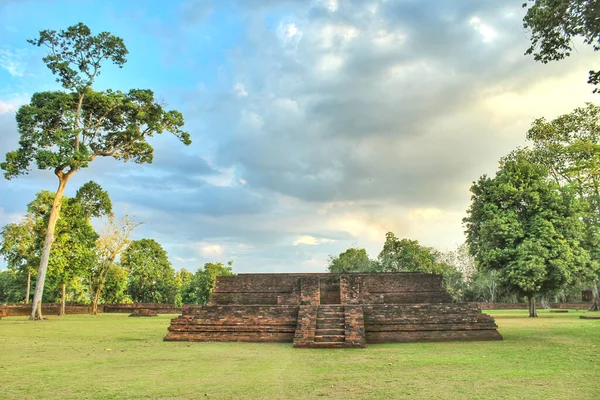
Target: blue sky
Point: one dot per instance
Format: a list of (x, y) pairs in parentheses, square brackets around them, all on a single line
[(316, 125)]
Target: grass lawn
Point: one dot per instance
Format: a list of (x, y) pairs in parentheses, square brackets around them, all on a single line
[(111, 356)]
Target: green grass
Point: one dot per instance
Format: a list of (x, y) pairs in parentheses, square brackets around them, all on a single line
[(111, 356)]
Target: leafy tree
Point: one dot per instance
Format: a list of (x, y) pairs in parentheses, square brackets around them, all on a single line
[(555, 23), (351, 260), (65, 131), (569, 146), (114, 289), (197, 290), (183, 278), (526, 227), (11, 286), (113, 240), (17, 248), (151, 277), (405, 255), (73, 252)]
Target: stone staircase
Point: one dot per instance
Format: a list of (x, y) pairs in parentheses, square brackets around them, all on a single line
[(327, 326), (331, 326)]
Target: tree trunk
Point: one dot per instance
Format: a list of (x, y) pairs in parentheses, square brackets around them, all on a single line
[(532, 310), (596, 298), (95, 301), (62, 300), (28, 285), (36, 310)]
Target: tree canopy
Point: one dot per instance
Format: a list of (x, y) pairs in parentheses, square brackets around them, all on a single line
[(569, 146), (351, 260), (405, 255), (65, 131), (151, 277), (526, 227), (555, 23)]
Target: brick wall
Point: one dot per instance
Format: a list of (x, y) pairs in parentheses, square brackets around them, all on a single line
[(427, 322), (129, 308), (242, 323), (22, 310), (306, 325)]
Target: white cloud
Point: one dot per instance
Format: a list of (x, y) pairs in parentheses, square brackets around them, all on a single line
[(288, 33), (487, 32), (12, 61), (240, 90), (209, 250), (309, 240), (330, 62), (12, 105)]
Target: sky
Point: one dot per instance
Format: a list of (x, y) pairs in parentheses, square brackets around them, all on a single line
[(317, 125)]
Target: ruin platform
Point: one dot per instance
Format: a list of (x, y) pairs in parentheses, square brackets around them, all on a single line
[(332, 310)]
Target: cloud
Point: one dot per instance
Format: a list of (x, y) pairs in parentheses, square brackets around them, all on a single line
[(13, 62), (309, 240), (11, 106)]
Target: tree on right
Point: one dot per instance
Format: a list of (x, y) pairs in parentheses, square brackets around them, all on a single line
[(554, 24), (527, 227)]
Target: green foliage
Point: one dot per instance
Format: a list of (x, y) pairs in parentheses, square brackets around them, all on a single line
[(73, 251), (115, 286), (75, 55), (526, 227), (151, 277), (12, 286), (404, 255), (196, 289), (351, 260), (110, 124), (554, 24), (17, 245)]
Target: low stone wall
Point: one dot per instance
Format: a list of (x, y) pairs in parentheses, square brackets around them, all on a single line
[(22, 310), (129, 308), (525, 306), (242, 323), (427, 322)]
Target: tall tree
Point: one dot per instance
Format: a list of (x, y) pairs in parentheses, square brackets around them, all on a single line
[(554, 24), (65, 131), (569, 146), (526, 227), (151, 277), (17, 248), (351, 260), (113, 240), (73, 252)]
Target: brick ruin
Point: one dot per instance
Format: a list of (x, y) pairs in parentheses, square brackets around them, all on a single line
[(332, 310)]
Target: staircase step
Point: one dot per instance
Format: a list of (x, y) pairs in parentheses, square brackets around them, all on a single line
[(329, 332), (331, 325), (331, 315), (333, 345), (329, 338)]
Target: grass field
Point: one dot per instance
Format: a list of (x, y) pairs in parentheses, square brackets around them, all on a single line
[(111, 356)]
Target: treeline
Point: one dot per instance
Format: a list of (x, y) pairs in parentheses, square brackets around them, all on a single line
[(87, 267), (463, 280), (533, 230)]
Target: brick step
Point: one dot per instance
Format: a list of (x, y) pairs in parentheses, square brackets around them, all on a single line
[(330, 345), (330, 325), (329, 331), (329, 314), (330, 338)]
